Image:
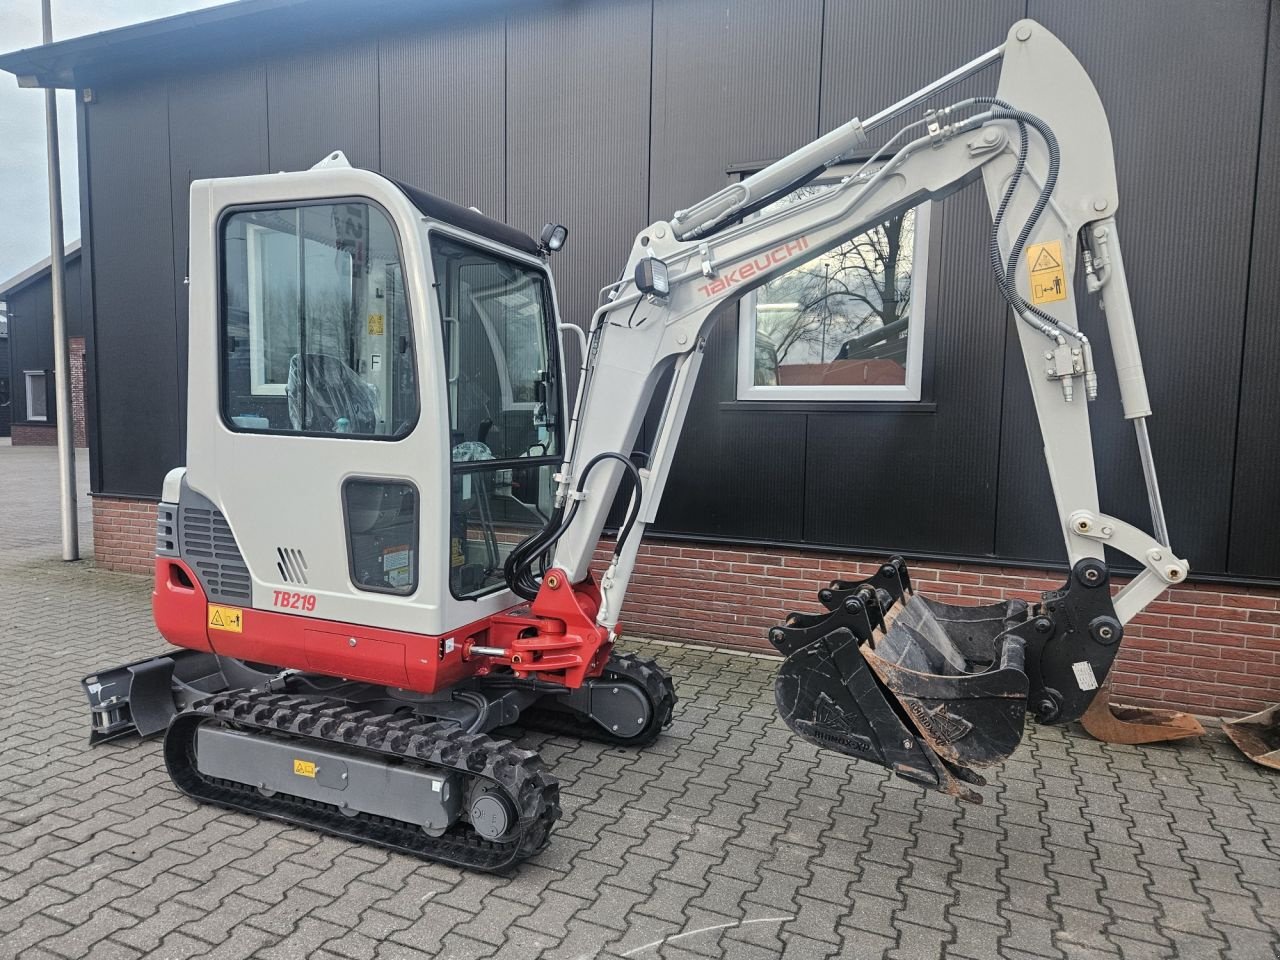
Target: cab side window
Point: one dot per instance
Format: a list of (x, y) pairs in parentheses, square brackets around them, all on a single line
[(316, 336)]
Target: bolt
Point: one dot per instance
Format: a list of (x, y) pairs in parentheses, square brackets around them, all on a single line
[(344, 776), (1107, 531), (615, 726), (1157, 556), (615, 690), (990, 137), (1106, 633), (660, 232), (1091, 574), (682, 339), (351, 641), (1082, 525), (1024, 33), (1099, 205), (906, 744), (1043, 625), (1174, 573)]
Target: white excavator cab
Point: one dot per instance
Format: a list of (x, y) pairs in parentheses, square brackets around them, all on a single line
[(375, 404)]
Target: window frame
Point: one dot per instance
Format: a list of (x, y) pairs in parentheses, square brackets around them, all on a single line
[(911, 394), (220, 226), (27, 376), (416, 563)]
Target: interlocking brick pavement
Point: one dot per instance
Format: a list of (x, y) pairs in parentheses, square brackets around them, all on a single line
[(728, 838)]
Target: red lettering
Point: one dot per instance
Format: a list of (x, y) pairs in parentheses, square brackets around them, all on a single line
[(288, 600), (760, 265)]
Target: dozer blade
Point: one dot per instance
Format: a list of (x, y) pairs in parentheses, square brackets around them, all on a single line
[(941, 691), (1258, 736), (1118, 723), (143, 696)]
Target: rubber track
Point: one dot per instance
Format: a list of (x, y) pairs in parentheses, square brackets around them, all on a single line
[(521, 774), (645, 673)]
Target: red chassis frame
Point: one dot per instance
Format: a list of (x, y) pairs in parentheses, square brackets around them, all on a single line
[(553, 638)]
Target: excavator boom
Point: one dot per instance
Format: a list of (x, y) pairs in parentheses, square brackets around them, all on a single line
[(955, 680)]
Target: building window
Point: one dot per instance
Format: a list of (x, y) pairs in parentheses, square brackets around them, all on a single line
[(37, 395), (316, 334), (847, 325)]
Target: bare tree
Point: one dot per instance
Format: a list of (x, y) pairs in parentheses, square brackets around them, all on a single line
[(825, 306)]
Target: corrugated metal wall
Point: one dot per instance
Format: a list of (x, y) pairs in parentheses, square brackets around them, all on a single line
[(607, 115)]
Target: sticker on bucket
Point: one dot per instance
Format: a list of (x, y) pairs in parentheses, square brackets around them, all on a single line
[(1085, 678)]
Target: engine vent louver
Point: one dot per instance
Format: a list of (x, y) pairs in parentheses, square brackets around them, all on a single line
[(291, 564), (209, 547)]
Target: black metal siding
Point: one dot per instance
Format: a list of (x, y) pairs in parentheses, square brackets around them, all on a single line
[(1255, 544), (6, 409), (199, 105), (442, 112), (135, 334), (577, 134), (606, 116), (322, 99)]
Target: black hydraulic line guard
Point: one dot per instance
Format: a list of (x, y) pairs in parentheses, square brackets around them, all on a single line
[(942, 690)]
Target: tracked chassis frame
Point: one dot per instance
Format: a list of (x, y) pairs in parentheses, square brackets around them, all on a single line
[(420, 775)]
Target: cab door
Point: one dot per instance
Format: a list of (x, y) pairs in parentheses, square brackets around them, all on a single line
[(322, 457)]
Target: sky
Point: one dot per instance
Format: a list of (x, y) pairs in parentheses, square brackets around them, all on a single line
[(24, 185)]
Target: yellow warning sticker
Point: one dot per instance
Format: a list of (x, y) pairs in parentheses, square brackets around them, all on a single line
[(304, 768), (1048, 277), (230, 619), (375, 324)]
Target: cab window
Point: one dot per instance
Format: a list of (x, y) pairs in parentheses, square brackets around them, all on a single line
[(315, 323), (504, 419)]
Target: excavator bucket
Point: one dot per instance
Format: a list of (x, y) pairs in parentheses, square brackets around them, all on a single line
[(1118, 723), (938, 692), (1258, 736)]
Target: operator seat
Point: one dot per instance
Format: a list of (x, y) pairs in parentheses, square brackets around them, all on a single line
[(333, 393)]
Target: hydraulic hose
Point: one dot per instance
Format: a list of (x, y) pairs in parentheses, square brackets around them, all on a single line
[(518, 570)]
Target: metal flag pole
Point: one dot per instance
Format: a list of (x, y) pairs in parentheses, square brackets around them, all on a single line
[(61, 366)]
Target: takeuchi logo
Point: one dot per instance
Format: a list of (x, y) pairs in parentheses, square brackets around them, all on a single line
[(761, 264)]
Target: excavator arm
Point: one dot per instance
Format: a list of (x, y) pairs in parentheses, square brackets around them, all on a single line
[(1042, 149)]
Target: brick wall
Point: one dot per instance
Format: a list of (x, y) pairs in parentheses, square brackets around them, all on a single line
[(124, 534), (34, 435), (76, 356), (1209, 649)]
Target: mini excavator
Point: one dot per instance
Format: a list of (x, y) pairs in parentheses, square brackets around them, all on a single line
[(379, 553)]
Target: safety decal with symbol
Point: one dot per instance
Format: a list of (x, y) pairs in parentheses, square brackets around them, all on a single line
[(230, 619), (1048, 277)]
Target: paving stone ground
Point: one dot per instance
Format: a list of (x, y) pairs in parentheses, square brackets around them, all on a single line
[(727, 838)]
